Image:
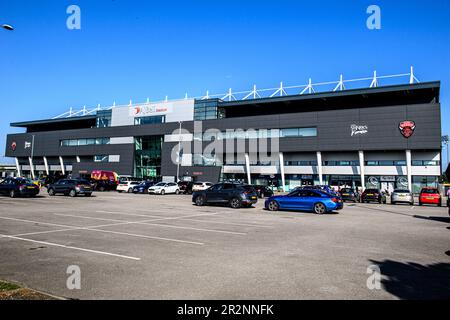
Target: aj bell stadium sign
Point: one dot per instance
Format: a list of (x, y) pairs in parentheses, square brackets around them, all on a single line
[(150, 109)]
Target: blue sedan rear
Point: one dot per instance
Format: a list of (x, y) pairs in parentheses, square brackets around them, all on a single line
[(305, 200)]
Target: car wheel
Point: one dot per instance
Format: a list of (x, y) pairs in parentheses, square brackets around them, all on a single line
[(262, 195), (51, 192), (199, 201), (72, 193), (273, 206), (102, 189), (319, 208), (420, 203), (88, 194), (163, 192), (440, 204), (235, 203), (411, 203), (12, 194), (130, 190), (177, 191), (393, 203)]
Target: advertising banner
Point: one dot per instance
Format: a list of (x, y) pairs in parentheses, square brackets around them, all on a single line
[(145, 110)]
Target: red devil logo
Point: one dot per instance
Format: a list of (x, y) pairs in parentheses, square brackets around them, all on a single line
[(407, 128), (13, 146)]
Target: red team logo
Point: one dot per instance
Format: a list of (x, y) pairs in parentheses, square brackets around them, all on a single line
[(13, 146), (407, 128)]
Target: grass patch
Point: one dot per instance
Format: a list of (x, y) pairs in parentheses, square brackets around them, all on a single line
[(6, 286), (11, 291)]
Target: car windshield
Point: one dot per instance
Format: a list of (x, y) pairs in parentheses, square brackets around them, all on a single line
[(23, 181), (371, 191), (401, 191), (161, 184), (430, 191)]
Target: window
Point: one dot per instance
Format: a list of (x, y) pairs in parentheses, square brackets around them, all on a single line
[(289, 133), (205, 110), (300, 163), (425, 163), (101, 158), (259, 133), (341, 163), (84, 142), (228, 186), (150, 120), (386, 163), (103, 119)]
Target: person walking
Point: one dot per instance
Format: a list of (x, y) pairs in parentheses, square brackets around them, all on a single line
[(448, 200)]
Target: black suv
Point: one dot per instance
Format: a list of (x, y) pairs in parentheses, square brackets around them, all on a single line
[(263, 191), (348, 194), (104, 185), (186, 186), (71, 187), (235, 195)]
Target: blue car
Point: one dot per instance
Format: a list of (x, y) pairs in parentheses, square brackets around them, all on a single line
[(316, 201), (143, 187), (326, 189)]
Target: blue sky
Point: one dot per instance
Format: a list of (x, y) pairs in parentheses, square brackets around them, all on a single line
[(137, 49)]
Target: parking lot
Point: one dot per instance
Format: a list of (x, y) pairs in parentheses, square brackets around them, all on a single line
[(163, 247)]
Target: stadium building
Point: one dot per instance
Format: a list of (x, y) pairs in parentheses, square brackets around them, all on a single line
[(375, 136)]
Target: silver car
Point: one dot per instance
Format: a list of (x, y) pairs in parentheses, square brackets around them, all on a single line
[(402, 196)]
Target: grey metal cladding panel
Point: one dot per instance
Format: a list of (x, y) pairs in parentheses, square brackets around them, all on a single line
[(108, 149), (117, 167), (298, 144)]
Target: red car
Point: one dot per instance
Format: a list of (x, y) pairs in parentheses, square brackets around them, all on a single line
[(430, 196)]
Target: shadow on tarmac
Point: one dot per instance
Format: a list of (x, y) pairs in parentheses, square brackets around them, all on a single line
[(413, 281)]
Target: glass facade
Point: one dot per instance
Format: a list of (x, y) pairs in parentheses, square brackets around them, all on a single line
[(385, 163), (103, 118), (84, 142), (150, 120), (258, 134), (207, 110), (147, 162), (419, 182), (300, 163), (341, 163)]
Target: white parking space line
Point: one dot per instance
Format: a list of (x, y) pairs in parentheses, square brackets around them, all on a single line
[(230, 223), (156, 224), (38, 222), (94, 228), (42, 232), (129, 214), (146, 237), (70, 247), (89, 218)]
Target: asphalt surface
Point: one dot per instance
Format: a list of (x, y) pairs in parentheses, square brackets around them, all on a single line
[(162, 247)]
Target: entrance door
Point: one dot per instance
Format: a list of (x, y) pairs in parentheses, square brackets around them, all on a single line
[(389, 186)]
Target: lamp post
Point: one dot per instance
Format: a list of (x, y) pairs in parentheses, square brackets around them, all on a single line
[(179, 149), (445, 141)]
